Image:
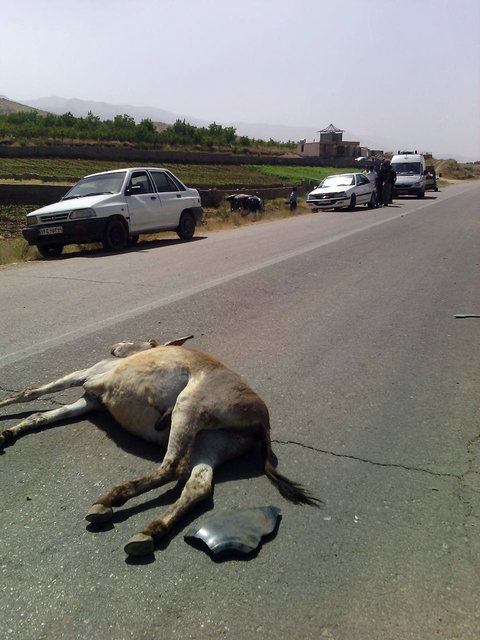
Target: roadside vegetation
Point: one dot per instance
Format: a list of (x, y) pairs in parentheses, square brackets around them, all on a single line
[(16, 250), (222, 218), (29, 127)]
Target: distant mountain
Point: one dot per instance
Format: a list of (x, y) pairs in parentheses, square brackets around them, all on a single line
[(105, 110), (264, 131), (9, 106), (108, 111)]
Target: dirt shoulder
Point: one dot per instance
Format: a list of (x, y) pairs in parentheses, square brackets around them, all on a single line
[(13, 248)]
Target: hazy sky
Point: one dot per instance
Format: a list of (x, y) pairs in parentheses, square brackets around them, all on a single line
[(403, 72)]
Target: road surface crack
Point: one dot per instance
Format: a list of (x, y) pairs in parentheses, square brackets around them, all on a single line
[(373, 462), (469, 496)]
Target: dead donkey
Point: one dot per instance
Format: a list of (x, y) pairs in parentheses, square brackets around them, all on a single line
[(174, 396)]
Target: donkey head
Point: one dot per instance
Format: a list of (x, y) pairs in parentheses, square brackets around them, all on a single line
[(124, 349)]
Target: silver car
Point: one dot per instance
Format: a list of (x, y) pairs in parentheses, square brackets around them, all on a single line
[(343, 191)]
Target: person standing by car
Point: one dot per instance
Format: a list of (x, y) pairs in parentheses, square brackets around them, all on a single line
[(293, 199), (371, 174), (379, 184), (387, 185), (392, 178)]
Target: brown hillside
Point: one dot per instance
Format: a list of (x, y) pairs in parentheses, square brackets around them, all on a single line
[(9, 106), (451, 169)]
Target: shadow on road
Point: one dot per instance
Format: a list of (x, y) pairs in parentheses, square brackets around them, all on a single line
[(247, 466), (415, 198), (141, 246)]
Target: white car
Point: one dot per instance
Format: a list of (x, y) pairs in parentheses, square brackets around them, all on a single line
[(114, 207), (343, 191)]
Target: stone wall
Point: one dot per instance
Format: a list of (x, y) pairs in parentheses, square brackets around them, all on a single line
[(41, 194), (211, 196)]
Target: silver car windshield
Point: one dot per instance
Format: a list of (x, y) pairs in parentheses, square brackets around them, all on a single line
[(407, 168), (338, 181), (97, 185)]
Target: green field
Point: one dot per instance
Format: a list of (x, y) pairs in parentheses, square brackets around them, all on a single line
[(60, 170), (296, 174), (69, 171)]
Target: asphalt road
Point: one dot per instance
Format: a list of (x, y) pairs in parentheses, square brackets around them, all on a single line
[(344, 323)]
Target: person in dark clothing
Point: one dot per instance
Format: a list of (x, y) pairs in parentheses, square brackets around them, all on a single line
[(387, 185), (392, 178), (379, 184), (293, 199)]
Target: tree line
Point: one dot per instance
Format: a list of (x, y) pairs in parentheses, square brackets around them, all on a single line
[(29, 125)]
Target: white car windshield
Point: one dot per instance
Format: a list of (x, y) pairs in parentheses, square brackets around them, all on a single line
[(339, 181), (97, 185), (407, 168)]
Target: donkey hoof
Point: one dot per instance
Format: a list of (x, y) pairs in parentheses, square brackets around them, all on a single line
[(139, 545), (99, 513), (5, 436)]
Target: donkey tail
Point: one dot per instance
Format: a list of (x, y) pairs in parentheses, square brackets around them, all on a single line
[(290, 490)]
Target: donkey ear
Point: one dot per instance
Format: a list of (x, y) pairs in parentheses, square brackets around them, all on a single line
[(177, 342)]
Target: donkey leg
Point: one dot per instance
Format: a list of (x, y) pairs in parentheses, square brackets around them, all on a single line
[(198, 487), (75, 379), (102, 511), (172, 468), (83, 405), (175, 465), (211, 449)]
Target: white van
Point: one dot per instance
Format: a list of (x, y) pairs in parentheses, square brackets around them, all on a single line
[(411, 174)]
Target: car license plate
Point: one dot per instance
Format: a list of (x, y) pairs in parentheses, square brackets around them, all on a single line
[(50, 231)]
